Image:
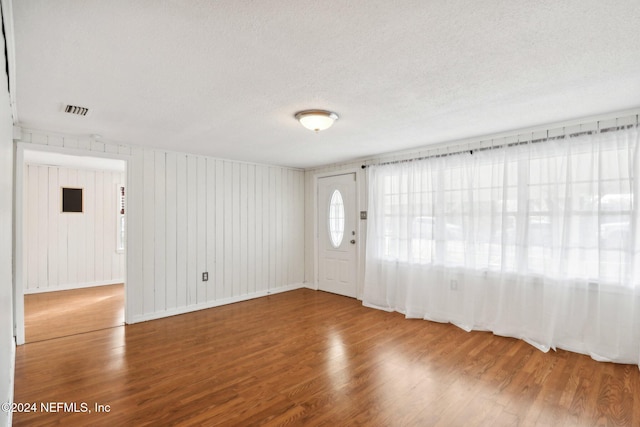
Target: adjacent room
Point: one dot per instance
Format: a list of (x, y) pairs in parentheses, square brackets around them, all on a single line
[(73, 252), (303, 213)]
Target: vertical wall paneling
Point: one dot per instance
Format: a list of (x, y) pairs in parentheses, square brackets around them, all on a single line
[(302, 224), (99, 209), (284, 233), (259, 210), (284, 216), (290, 212), (54, 216), (235, 214), (181, 231), (135, 234), (192, 238), (72, 229), (88, 178), (31, 232), (111, 229), (30, 235), (91, 194), (220, 224), (281, 262), (186, 214), (243, 237), (201, 222), (171, 231), (290, 226), (159, 234), (211, 219), (43, 227), (277, 228), (227, 282), (63, 231), (291, 229), (267, 228), (251, 228), (148, 254), (79, 226), (69, 250)]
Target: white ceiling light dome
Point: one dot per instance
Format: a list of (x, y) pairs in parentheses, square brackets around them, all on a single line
[(316, 120)]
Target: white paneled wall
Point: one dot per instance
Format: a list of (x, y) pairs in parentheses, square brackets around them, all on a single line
[(242, 223), (70, 250)]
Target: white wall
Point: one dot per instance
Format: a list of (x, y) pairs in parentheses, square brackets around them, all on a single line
[(70, 250), (241, 222), (7, 343)]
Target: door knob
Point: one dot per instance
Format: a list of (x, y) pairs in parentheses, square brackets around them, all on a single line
[(353, 242)]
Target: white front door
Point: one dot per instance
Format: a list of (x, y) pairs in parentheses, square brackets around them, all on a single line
[(337, 234)]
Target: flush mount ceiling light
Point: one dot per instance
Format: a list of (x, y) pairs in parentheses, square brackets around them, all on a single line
[(316, 120)]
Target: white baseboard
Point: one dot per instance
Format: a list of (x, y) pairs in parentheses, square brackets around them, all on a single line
[(69, 287), (216, 303)]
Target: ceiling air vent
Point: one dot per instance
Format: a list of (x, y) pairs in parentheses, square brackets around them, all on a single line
[(73, 109)]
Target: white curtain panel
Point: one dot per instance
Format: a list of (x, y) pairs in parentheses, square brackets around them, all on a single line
[(539, 241)]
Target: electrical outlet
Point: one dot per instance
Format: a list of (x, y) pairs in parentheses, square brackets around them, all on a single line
[(205, 276), (363, 214)]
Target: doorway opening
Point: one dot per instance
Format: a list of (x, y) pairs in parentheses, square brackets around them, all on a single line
[(72, 270)]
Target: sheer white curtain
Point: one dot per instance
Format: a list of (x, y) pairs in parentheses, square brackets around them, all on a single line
[(539, 241)]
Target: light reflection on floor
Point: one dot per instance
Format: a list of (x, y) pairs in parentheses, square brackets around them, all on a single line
[(64, 313), (337, 362)]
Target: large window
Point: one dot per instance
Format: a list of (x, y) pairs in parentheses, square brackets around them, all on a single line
[(553, 208), (539, 241)]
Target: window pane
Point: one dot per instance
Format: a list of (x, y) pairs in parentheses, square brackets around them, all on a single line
[(336, 219)]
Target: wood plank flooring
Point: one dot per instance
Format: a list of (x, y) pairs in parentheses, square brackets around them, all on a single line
[(312, 358), (62, 313)]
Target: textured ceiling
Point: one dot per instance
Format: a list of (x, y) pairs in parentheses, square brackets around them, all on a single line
[(224, 78)]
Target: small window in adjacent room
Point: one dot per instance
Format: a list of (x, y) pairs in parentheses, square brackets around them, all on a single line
[(120, 226), (72, 199)]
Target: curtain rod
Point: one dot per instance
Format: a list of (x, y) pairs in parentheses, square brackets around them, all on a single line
[(510, 144)]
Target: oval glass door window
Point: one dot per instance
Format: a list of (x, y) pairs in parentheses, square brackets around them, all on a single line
[(336, 219)]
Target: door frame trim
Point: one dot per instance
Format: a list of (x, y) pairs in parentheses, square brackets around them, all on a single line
[(359, 226)]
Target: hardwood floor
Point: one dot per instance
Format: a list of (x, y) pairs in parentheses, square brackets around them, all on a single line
[(58, 314), (313, 358)]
